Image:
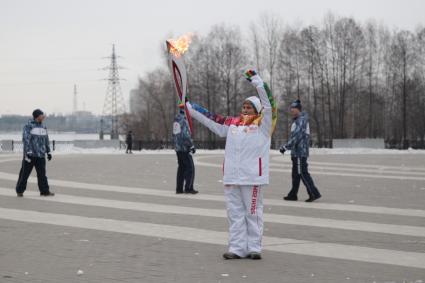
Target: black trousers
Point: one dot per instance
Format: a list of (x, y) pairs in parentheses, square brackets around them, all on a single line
[(129, 147), (300, 173), (40, 166), (185, 172)]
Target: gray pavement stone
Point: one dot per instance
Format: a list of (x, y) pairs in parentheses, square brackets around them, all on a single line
[(45, 253)]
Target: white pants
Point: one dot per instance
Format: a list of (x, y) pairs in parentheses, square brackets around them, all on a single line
[(245, 215)]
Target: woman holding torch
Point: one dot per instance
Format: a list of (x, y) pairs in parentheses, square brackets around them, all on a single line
[(246, 165)]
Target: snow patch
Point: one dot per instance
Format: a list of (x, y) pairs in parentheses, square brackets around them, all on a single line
[(71, 149), (329, 151)]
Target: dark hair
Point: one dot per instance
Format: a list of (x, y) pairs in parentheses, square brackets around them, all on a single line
[(296, 104), (36, 113)]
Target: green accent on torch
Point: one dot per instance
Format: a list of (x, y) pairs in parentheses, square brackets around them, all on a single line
[(273, 104)]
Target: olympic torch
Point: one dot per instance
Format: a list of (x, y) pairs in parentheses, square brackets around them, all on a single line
[(176, 48)]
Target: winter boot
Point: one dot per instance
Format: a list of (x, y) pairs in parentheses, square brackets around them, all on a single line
[(230, 255), (313, 198), (254, 255), (291, 198)]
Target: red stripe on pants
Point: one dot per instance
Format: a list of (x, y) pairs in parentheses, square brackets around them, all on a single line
[(254, 200)]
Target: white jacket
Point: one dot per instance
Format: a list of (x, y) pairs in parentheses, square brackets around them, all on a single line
[(246, 159)]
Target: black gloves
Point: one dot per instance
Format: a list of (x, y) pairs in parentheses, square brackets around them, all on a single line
[(282, 149), (49, 156), (192, 150)]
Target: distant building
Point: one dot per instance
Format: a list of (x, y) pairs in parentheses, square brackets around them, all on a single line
[(83, 121)]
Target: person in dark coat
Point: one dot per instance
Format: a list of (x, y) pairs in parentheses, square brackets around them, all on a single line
[(129, 142), (184, 149), (36, 146), (298, 144)]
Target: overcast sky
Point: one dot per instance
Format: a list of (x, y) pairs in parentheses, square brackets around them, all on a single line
[(48, 45)]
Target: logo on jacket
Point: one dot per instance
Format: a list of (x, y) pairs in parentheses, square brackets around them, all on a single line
[(176, 128), (251, 129), (39, 131)]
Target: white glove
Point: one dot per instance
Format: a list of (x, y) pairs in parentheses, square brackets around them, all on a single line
[(27, 159)]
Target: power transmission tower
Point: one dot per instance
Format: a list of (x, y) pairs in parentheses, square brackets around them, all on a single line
[(75, 105), (113, 106)]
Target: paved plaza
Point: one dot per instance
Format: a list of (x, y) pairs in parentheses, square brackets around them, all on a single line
[(116, 218)]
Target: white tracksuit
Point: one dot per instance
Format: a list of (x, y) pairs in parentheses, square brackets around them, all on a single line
[(246, 173)]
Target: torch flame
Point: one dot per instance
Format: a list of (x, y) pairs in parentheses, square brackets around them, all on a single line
[(180, 45)]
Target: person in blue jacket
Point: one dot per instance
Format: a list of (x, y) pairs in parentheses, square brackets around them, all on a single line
[(36, 146), (298, 144), (184, 149)]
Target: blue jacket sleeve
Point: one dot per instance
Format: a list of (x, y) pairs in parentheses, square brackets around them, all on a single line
[(297, 133), (187, 139), (47, 143), (26, 139)]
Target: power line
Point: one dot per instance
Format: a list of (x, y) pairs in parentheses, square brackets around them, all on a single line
[(114, 105)]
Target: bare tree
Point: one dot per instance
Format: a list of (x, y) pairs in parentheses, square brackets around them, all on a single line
[(356, 80)]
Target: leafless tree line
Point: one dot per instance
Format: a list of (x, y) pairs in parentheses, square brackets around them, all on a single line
[(356, 80)]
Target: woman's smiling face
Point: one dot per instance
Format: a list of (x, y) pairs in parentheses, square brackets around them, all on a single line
[(248, 108)]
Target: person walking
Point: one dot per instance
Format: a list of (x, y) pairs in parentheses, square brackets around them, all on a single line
[(129, 142), (184, 149), (298, 144), (35, 148)]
